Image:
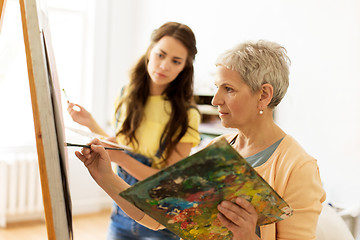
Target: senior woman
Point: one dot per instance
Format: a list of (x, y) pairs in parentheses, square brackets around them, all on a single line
[(252, 79)]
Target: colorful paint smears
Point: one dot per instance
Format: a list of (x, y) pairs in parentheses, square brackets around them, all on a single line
[(184, 196)]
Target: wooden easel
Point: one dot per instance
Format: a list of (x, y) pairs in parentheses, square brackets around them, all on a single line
[(2, 10), (48, 121)]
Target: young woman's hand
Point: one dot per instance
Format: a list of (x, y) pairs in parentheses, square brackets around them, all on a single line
[(79, 114), (96, 160), (239, 217), (111, 139)]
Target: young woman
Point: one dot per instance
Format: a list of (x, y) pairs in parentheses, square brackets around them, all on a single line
[(155, 116), (252, 79)]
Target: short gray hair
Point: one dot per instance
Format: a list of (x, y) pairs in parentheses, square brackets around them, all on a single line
[(259, 63)]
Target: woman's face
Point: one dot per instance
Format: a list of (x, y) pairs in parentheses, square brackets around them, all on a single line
[(166, 60), (237, 104)]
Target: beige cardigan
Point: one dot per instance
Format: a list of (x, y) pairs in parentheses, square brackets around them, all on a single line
[(294, 174)]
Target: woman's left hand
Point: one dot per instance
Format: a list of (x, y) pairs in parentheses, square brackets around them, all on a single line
[(239, 217)]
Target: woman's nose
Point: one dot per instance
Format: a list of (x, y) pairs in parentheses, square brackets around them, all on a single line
[(164, 64), (216, 99)]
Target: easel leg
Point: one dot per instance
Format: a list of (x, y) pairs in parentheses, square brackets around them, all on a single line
[(2, 11)]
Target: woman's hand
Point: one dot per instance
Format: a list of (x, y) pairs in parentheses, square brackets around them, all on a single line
[(111, 139), (239, 217), (79, 114), (96, 160)]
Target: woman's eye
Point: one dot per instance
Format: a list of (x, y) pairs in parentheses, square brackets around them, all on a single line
[(160, 55), (176, 62), (228, 89)]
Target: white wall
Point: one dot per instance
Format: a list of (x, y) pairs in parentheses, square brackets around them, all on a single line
[(80, 49), (321, 109)]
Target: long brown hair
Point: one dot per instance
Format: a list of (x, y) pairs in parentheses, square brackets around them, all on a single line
[(179, 92)]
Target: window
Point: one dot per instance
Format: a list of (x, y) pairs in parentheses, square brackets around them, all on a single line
[(71, 27)]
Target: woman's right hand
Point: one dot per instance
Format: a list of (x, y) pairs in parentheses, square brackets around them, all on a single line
[(96, 160), (79, 114)]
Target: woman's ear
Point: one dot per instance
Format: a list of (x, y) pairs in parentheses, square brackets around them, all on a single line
[(266, 94)]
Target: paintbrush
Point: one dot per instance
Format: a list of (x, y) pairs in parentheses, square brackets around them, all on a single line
[(88, 146)]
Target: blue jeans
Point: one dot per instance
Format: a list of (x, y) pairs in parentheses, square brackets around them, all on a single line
[(123, 227)]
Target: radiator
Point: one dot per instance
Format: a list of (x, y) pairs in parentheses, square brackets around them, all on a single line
[(20, 189)]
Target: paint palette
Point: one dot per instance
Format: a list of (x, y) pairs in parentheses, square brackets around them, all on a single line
[(184, 196)]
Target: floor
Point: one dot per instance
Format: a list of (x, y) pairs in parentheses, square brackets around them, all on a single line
[(87, 227)]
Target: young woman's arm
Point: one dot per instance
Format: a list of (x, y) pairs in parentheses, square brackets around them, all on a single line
[(80, 115)]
